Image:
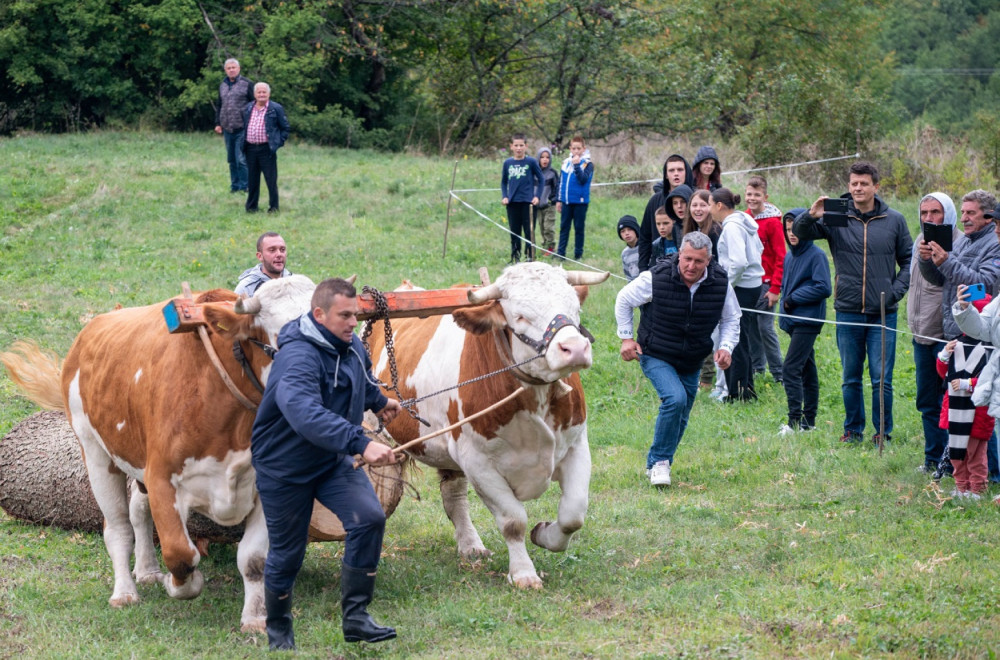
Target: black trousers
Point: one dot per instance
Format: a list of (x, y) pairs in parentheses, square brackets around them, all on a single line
[(519, 219), (261, 160), (739, 375), (800, 377)]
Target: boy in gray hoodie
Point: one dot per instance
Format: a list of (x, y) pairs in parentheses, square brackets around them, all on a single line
[(545, 212)]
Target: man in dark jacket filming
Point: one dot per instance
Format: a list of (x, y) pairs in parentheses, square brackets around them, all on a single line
[(871, 250), (307, 430)]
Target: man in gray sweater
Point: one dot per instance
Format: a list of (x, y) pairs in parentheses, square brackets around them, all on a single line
[(974, 258), (235, 92)]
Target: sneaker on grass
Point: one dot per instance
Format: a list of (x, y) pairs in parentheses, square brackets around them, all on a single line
[(786, 430), (944, 469), (852, 437), (659, 474)]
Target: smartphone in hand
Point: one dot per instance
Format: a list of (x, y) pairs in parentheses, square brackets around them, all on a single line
[(976, 291)]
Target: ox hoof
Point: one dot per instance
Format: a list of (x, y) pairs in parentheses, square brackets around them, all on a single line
[(149, 578), (254, 626), (186, 590), (124, 600), (475, 554), (536, 533), (526, 582)]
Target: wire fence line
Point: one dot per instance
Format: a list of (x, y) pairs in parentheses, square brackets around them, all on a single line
[(638, 181), (501, 225)]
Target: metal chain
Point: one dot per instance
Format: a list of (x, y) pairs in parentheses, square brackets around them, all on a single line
[(416, 400), (382, 314)]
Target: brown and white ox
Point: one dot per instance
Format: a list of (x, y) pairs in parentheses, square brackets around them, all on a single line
[(148, 405), (511, 454)]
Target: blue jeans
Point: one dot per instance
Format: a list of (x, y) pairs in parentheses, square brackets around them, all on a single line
[(930, 391), (237, 160), (288, 509), (854, 344), (993, 457), (677, 392), (765, 350), (574, 215)]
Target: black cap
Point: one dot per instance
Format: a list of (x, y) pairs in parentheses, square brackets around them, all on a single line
[(627, 221), (994, 214)]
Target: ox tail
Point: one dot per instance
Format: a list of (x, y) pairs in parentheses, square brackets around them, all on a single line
[(37, 372)]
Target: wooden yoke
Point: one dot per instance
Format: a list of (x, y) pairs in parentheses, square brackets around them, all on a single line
[(184, 315)]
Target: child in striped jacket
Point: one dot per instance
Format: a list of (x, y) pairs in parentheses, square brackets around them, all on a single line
[(969, 426)]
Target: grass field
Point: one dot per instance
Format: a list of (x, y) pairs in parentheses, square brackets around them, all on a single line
[(763, 547)]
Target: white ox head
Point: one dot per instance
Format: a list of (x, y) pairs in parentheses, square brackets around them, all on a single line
[(277, 302), (527, 298)]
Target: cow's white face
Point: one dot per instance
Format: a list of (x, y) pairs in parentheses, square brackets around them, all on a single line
[(281, 300), (533, 294)]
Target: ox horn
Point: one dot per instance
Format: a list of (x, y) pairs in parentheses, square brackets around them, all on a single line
[(247, 306), (578, 277), (352, 279), (486, 293)]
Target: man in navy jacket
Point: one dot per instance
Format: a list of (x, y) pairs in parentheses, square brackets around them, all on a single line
[(871, 249), (307, 430), (267, 129)]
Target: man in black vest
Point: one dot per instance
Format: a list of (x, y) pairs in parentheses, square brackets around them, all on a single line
[(688, 295)]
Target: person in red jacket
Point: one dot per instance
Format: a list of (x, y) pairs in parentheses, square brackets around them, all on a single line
[(969, 426), (764, 348)]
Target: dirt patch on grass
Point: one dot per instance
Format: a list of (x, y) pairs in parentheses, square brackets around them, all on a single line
[(604, 609), (794, 634)]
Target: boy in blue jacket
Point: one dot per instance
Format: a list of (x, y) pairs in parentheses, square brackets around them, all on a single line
[(307, 430), (804, 290), (575, 177), (521, 183)]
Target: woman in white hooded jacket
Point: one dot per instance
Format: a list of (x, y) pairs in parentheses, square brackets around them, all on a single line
[(740, 256)]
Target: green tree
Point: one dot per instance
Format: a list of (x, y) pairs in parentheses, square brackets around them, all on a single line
[(68, 65), (947, 58)]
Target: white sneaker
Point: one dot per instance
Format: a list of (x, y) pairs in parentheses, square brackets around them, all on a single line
[(718, 394), (973, 496), (956, 493), (659, 474), (786, 430)]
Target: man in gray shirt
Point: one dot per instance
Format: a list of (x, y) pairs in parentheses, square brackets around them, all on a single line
[(235, 92), (271, 253)]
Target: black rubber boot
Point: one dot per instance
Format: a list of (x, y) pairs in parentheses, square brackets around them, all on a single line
[(279, 621), (357, 586)]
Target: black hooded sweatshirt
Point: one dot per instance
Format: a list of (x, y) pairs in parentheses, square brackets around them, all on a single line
[(647, 230)]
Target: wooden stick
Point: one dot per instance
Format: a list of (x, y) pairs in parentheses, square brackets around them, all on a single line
[(401, 448), (447, 217)]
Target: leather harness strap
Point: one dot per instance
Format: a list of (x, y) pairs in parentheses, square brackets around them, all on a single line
[(247, 403), (269, 351), (203, 333)]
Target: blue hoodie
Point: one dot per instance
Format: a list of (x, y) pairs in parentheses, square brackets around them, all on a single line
[(805, 285), (310, 417), (574, 180)]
